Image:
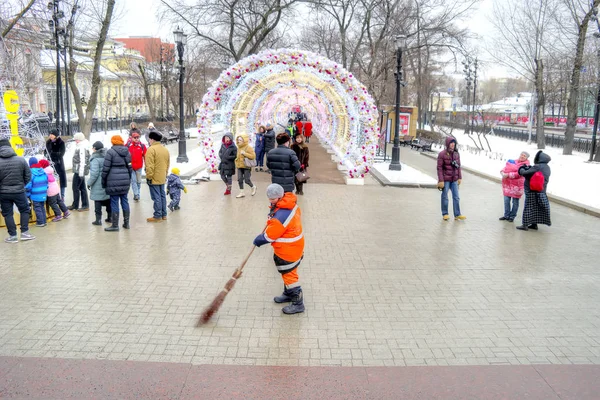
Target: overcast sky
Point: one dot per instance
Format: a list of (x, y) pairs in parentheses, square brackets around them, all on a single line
[(138, 18)]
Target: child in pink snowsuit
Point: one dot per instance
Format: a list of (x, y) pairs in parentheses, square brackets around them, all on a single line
[(55, 201), (512, 186)]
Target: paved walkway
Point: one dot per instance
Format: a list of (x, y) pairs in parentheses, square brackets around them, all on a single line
[(386, 281)]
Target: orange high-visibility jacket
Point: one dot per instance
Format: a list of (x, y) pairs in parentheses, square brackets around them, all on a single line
[(284, 229)]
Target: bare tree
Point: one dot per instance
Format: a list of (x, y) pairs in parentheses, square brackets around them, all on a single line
[(86, 118), (522, 37), (581, 12), (13, 21), (232, 28)]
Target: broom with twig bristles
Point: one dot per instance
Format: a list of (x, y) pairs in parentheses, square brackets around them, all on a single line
[(218, 301)]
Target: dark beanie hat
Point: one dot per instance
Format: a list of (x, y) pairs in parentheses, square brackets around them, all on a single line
[(32, 161), (4, 143), (283, 138), (98, 145), (53, 131), (155, 136)]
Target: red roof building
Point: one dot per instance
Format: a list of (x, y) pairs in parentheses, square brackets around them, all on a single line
[(150, 48)]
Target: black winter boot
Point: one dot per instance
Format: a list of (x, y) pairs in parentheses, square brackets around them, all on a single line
[(115, 223), (297, 305), (126, 215), (284, 298), (98, 220)]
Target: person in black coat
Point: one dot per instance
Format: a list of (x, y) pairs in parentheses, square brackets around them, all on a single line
[(537, 206), (227, 154), (116, 178), (283, 163), (56, 150), (269, 138)]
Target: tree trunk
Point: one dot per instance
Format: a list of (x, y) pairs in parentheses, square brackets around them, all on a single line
[(540, 104), (575, 77), (147, 92)]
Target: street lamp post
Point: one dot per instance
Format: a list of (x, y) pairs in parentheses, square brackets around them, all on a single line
[(180, 40), (395, 164)]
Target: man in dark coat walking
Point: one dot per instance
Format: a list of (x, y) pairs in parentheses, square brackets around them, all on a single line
[(269, 138), (283, 163), (450, 178), (56, 148), (14, 175)]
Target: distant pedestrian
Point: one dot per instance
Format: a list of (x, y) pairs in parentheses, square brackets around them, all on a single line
[(259, 148), (513, 186), (450, 178), (283, 163), (269, 138), (14, 175), (138, 152), (97, 192), (157, 161), (50, 116), (81, 167), (116, 178), (37, 191), (243, 163), (537, 206), (307, 131), (174, 188), (227, 155), (55, 202), (56, 149), (301, 150)]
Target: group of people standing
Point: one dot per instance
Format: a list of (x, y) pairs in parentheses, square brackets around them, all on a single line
[(111, 174), (283, 162), (518, 178)]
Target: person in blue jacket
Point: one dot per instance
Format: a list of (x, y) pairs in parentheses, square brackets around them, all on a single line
[(37, 191)]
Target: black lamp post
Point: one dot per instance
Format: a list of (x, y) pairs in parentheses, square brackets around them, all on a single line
[(395, 164), (54, 26), (181, 40)]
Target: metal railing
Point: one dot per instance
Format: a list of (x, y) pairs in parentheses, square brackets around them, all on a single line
[(102, 125), (583, 145)]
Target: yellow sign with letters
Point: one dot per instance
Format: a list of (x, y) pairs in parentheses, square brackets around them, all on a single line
[(11, 105)]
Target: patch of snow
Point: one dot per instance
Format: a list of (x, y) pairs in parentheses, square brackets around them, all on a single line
[(406, 176), (572, 178)]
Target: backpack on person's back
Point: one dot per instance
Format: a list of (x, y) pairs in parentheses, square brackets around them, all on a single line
[(536, 184)]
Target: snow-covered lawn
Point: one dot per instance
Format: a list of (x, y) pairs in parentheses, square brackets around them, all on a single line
[(407, 176), (573, 177)]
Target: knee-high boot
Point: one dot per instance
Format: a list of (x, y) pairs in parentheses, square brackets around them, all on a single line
[(115, 222), (126, 219)]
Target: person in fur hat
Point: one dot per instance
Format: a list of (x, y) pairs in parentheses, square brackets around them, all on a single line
[(283, 163), (157, 161)]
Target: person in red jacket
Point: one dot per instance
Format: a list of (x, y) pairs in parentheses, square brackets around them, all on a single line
[(307, 130), (284, 232), (137, 149)]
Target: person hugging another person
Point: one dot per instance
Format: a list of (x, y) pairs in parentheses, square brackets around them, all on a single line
[(537, 206), (37, 191), (512, 186), (301, 150), (97, 192), (55, 201), (227, 155), (174, 188), (244, 162)]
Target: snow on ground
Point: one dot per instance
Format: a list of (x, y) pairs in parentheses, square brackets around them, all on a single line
[(573, 177), (407, 176)]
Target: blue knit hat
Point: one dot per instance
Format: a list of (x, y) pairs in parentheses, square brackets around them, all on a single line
[(32, 161)]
